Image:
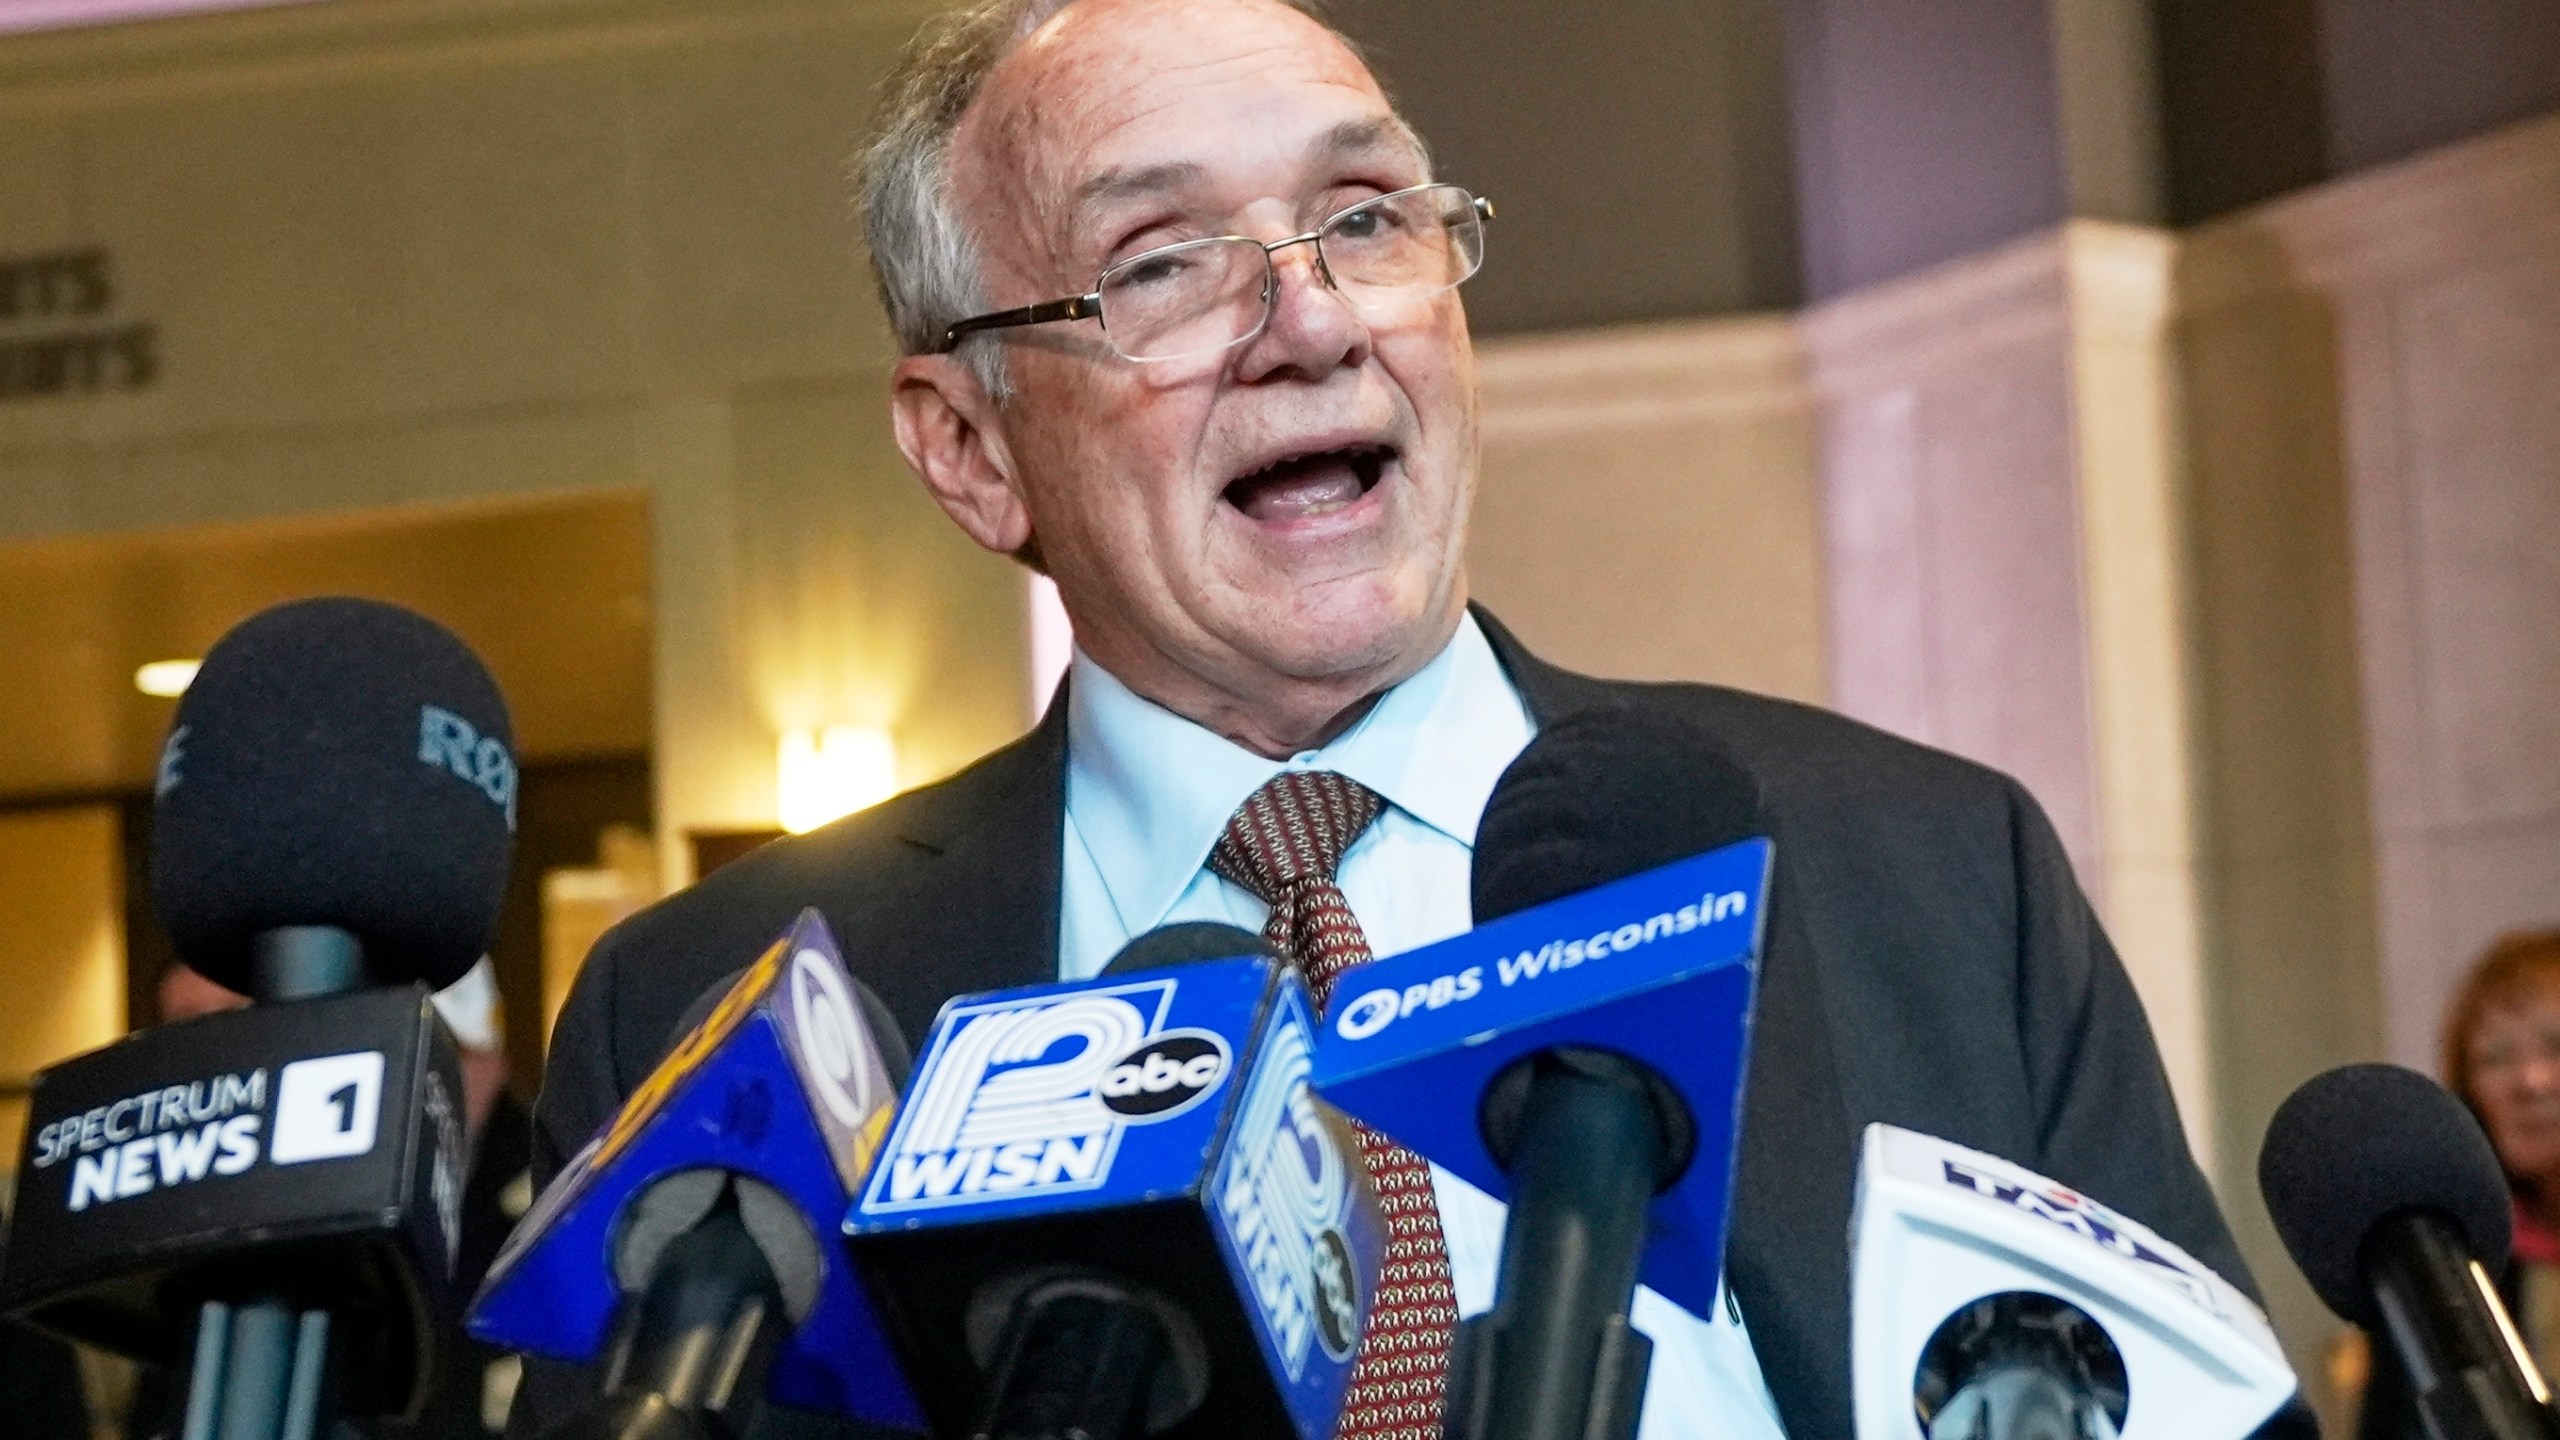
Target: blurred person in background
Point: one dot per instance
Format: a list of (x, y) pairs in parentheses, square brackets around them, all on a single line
[(2502, 1056), (40, 1390), (475, 1385)]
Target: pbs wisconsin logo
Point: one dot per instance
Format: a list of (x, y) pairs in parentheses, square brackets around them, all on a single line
[(1164, 1077)]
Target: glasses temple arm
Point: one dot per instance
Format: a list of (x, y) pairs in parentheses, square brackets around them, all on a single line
[(1074, 307)]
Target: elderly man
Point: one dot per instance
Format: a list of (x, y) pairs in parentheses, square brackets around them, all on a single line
[(1178, 295)]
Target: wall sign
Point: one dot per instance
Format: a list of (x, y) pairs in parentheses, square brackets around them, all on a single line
[(59, 334)]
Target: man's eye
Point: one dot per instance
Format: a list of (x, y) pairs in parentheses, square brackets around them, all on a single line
[(1363, 224), (1383, 222), (1151, 270)]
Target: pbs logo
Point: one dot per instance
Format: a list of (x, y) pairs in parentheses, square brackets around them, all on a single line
[(1165, 1076)]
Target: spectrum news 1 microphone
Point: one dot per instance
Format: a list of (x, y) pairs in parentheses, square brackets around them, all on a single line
[(1579, 1055), (690, 1250), (2389, 1196), (1990, 1303), (1113, 1208), (272, 1196)]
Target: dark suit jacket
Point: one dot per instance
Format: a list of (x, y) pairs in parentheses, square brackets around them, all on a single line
[(1931, 963)]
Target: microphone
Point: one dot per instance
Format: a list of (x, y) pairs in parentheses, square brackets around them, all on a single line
[(1113, 1208), (1989, 1303), (2390, 1199), (337, 765), (687, 1250), (1599, 1011), (276, 1192)]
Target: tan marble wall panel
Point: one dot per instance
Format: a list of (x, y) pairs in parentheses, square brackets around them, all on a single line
[(2480, 373), (1662, 472), (747, 244), (1952, 522), (515, 265), (2440, 280), (1875, 535), (221, 476), (2279, 735), (38, 495), (2136, 561), (263, 233), (39, 215), (859, 599)]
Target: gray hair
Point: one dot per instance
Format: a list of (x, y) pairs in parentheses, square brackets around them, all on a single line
[(926, 261)]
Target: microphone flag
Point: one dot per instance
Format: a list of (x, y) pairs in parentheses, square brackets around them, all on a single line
[(1939, 1227), (1159, 1127), (1659, 966), (320, 1137), (782, 1082)]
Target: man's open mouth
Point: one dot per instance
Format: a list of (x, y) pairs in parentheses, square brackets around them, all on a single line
[(1304, 486)]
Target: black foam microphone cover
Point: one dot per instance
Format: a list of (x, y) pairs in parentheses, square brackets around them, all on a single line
[(2360, 1143), (1602, 794), (337, 762), (1187, 943)]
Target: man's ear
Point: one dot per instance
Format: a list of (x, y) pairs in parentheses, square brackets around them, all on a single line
[(951, 432)]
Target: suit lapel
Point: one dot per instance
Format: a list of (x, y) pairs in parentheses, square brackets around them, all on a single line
[(984, 916), (1787, 1254)]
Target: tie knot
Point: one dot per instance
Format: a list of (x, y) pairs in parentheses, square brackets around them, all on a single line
[(1293, 831)]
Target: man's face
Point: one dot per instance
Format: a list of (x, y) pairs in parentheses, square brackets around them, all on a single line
[(1292, 508)]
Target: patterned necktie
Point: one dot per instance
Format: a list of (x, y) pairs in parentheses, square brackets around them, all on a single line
[(1284, 846)]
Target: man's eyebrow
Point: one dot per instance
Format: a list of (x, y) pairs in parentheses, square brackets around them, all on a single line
[(1383, 132), (1122, 181), (1351, 137)]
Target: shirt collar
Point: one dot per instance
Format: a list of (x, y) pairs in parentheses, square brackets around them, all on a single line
[(1150, 791)]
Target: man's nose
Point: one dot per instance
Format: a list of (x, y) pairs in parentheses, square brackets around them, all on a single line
[(1313, 328)]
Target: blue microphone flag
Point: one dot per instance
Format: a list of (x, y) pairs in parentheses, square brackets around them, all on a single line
[(780, 1082), (1659, 966), (1178, 1098)]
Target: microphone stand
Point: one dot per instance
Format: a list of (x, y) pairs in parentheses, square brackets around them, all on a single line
[(2020, 1366), (696, 1340), (1080, 1358), (261, 1366), (2472, 1377), (1588, 1141)]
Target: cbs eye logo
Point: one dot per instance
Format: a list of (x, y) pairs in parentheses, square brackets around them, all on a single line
[(1165, 1076)]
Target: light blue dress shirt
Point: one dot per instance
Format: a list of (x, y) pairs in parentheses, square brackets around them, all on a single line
[(1148, 793)]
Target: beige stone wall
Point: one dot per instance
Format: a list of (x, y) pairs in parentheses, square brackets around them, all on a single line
[(2412, 342), (401, 254), (1648, 506), (1952, 522), (2237, 546)]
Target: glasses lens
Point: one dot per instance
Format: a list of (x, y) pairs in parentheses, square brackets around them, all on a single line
[(1184, 299), (1411, 243)]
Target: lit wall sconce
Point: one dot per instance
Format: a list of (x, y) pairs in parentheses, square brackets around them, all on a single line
[(166, 679), (827, 774)]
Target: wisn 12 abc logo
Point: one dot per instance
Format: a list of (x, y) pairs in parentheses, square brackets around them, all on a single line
[(1285, 1194), (1032, 1096)]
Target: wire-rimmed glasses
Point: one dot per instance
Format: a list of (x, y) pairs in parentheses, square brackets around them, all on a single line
[(1200, 296)]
